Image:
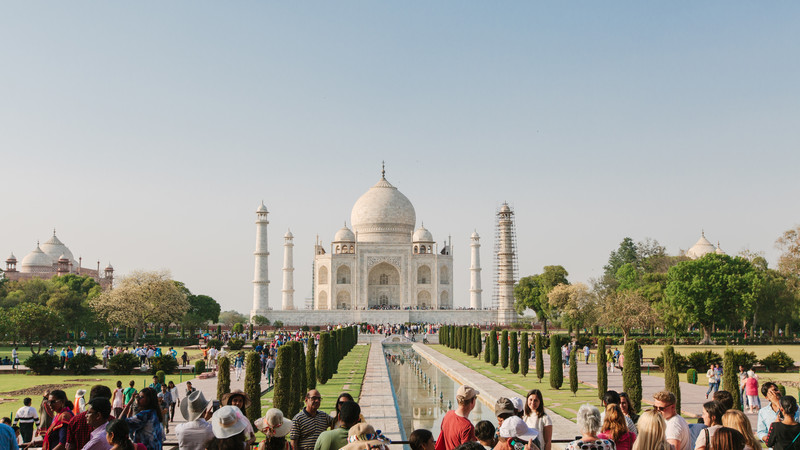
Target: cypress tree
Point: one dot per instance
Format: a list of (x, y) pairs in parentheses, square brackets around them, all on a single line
[(504, 349), (632, 375), (322, 360), (223, 376), (311, 365), (537, 344), (478, 343), (301, 369), (487, 353), (252, 385), (514, 357), (452, 339), (730, 379), (469, 340), (573, 370), (335, 353), (524, 355), (297, 386), (443, 335), (493, 346), (464, 339), (602, 370), (671, 381), (457, 343), (556, 363)]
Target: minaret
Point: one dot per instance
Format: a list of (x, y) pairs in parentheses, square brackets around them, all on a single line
[(261, 281), (288, 273), (506, 265), (475, 273)]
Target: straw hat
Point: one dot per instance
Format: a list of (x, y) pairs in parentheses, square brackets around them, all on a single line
[(225, 423), (193, 406), (274, 424), (225, 400)]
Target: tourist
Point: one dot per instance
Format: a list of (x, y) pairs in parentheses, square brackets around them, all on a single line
[(241, 401), (98, 411), (768, 415), (185, 359), (129, 393), (485, 432), (117, 434), (343, 397), (537, 419), (652, 432), (783, 434), (677, 431), (586, 352), (615, 429), (118, 399), (164, 400), (423, 440), (738, 420), (515, 434), (196, 432), (45, 419), (625, 405), (750, 389), (613, 397), (589, 423), (712, 418), (503, 409), (26, 418), (146, 424), (156, 384), (336, 438), (189, 388), (742, 395), (725, 400), (8, 437), (275, 428), (309, 423), (362, 436), (456, 427), (78, 430), (711, 374), (728, 439), (175, 400), (55, 438), (228, 428), (238, 365), (80, 401), (270, 365), (519, 406)]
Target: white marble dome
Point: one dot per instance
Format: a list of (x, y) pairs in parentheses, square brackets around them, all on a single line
[(383, 214), (701, 248), (36, 261), (54, 248), (423, 235), (344, 235)]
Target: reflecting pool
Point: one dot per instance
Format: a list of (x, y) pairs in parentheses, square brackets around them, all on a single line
[(424, 393)]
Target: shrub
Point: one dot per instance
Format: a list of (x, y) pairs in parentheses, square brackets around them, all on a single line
[(691, 376), (602, 370), (744, 358), (223, 376), (238, 327), (573, 370), (166, 363), (82, 364), (216, 343), (123, 363), (524, 354), (305, 328), (282, 398), (298, 377), (236, 344), (478, 345), (42, 363), (730, 377), (632, 375), (487, 352), (199, 367), (778, 361), (539, 358), (278, 324), (492, 343), (162, 377), (311, 365), (681, 362), (315, 328), (671, 382), (252, 385), (556, 362), (323, 363), (701, 361), (504, 349)]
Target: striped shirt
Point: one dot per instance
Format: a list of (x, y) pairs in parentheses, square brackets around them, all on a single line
[(307, 429), (27, 414)]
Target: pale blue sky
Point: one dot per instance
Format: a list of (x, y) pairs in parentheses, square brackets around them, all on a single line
[(147, 133)]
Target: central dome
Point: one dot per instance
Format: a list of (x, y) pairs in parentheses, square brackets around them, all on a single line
[(383, 214)]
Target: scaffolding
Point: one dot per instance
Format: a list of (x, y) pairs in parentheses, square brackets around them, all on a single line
[(505, 255)]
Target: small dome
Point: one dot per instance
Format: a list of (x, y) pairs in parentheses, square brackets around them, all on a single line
[(475, 235), (55, 249), (36, 261), (383, 214), (262, 208), (719, 250), (12, 257), (109, 267), (63, 257), (423, 235), (344, 235), (701, 248), (288, 234), (505, 208)]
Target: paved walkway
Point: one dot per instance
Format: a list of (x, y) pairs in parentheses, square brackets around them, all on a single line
[(489, 389), (377, 400)]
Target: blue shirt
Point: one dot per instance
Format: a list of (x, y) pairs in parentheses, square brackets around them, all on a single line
[(146, 429), (8, 439)]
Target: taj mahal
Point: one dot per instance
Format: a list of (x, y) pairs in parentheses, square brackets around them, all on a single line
[(384, 269)]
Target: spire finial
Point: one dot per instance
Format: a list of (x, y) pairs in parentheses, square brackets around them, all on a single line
[(703, 232), (383, 169), (54, 231)]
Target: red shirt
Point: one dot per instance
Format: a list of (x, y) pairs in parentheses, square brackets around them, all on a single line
[(78, 431), (455, 431)]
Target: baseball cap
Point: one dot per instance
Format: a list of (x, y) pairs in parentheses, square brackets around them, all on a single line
[(467, 392), (516, 427), (503, 406)]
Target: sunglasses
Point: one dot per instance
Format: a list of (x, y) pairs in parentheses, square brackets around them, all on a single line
[(660, 408)]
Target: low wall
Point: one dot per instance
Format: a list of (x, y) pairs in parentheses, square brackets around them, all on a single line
[(332, 317)]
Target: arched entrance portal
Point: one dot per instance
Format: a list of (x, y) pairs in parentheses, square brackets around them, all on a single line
[(384, 287)]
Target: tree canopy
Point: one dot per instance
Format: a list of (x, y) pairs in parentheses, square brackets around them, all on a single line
[(531, 291)]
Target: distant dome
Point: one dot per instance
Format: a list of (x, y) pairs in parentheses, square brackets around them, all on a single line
[(288, 234), (344, 235), (36, 261), (63, 256), (422, 235), (701, 248), (262, 208), (383, 214), (109, 267), (54, 248), (475, 235), (12, 257), (719, 250)]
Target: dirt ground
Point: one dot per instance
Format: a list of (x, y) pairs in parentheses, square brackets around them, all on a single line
[(38, 390)]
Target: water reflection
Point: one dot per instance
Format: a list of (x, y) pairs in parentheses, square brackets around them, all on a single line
[(424, 394)]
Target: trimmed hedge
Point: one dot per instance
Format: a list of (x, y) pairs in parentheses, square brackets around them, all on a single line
[(42, 363), (123, 363), (82, 364)]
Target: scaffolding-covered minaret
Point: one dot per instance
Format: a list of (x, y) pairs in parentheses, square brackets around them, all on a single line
[(505, 265), (287, 297), (475, 273), (261, 279)]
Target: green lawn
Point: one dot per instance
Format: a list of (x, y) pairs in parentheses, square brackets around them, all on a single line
[(349, 379), (14, 388)]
